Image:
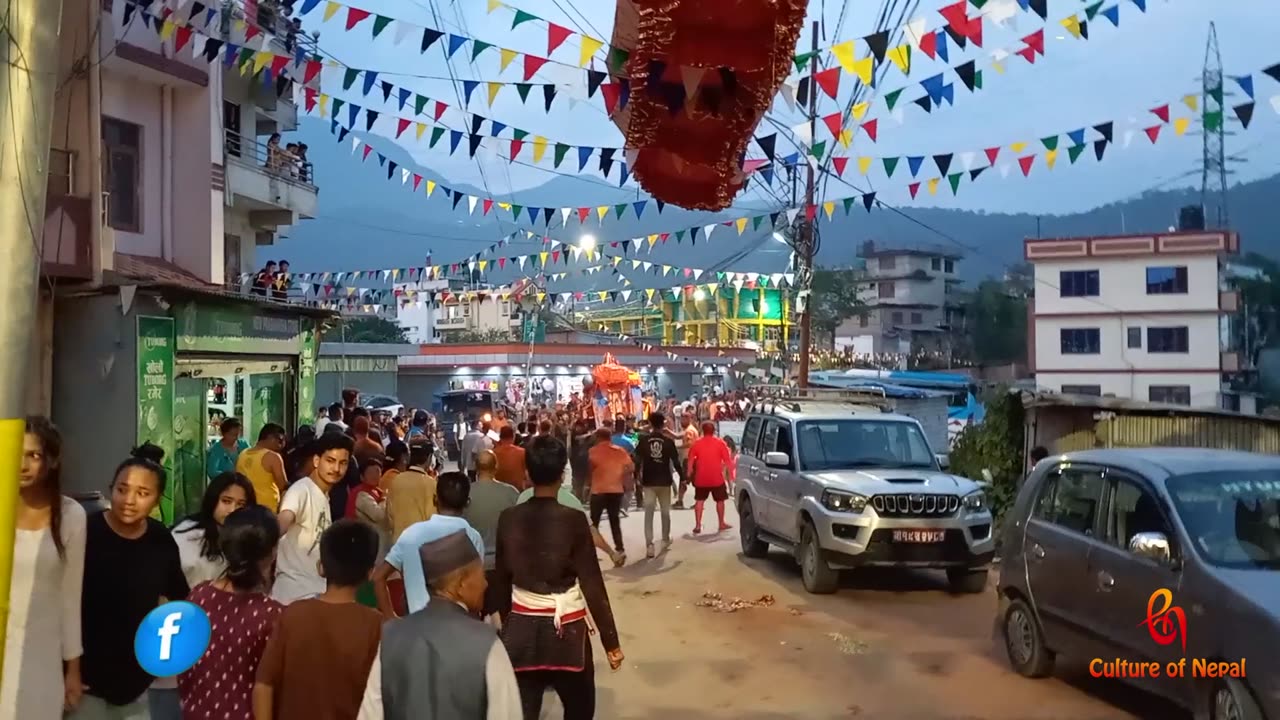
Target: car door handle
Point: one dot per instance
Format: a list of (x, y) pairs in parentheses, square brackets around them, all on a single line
[(1105, 581), (773, 476), (1037, 552)]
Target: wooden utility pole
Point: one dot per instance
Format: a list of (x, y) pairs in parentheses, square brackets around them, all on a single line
[(808, 233)]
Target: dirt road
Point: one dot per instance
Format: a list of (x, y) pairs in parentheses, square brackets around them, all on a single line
[(888, 645)]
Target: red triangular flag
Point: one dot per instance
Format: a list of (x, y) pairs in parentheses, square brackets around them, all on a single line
[(401, 126), (515, 148), (611, 92), (555, 256), (1028, 53), (182, 38), (250, 31), (811, 212), (556, 36), (663, 237), (1162, 112), (841, 163), (1153, 132), (488, 205), (929, 44), (1035, 41), (313, 69), (367, 149), (992, 154), (914, 188), (829, 81), (532, 64), (872, 128), (278, 64), (832, 122), (310, 94), (974, 31), (440, 108), (355, 15), (417, 180), (502, 262), (956, 16), (582, 214), (1026, 163)]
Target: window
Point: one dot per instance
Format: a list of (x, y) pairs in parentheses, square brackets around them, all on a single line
[(1078, 283), (1133, 510), (231, 125), (917, 318), (1081, 341), (896, 317), (1167, 340), (1167, 280), (231, 257), (885, 289), (506, 308), (751, 435), (466, 309), (777, 438), (1093, 390), (122, 155), (1071, 499), (935, 264), (949, 266), (1135, 337), (888, 262), (1170, 394), (863, 321)]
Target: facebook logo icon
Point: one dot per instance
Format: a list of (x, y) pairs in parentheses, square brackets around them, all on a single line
[(171, 639)]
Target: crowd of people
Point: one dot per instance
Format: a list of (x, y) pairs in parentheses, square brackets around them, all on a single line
[(346, 573), (290, 161)]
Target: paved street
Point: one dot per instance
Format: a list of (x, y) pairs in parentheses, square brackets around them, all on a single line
[(885, 646)]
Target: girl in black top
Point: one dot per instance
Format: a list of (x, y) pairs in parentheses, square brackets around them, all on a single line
[(131, 566)]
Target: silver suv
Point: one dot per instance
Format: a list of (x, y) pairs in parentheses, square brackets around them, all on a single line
[(840, 482)]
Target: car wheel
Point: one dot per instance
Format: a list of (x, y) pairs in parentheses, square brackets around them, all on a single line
[(819, 578), (1231, 701), (748, 533), (1024, 642), (969, 582)]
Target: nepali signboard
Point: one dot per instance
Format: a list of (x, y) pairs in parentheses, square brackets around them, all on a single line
[(155, 395), (206, 328)]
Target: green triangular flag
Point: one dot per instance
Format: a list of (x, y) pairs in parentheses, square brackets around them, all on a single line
[(348, 78), (561, 149), (978, 3), (891, 99), (616, 59), (679, 235), (890, 164), (246, 54), (337, 105), (523, 89), (1093, 9), (1213, 121), (1050, 143), (419, 103), (619, 209), (819, 149), (477, 47), (1074, 151), (955, 182), (515, 211), (802, 60), (719, 276), (380, 23), (977, 80), (437, 132), (755, 222), (522, 17), (519, 134), (848, 204)]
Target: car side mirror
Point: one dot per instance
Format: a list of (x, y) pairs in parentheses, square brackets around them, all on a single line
[(944, 460), (777, 460), (1152, 546)]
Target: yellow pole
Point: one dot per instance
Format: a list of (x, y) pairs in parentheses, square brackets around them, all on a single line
[(29, 55)]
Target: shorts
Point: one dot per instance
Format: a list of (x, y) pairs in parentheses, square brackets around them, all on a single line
[(719, 493)]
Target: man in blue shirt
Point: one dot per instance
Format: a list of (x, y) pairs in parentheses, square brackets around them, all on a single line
[(620, 436), (453, 494)]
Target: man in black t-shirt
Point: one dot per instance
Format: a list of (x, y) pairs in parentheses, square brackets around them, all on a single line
[(655, 457)]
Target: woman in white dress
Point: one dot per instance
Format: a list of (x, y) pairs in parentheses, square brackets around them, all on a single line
[(42, 645)]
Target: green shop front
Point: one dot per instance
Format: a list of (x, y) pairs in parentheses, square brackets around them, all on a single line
[(197, 360)]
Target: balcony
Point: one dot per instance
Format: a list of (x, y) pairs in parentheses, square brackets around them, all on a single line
[(66, 240), (452, 323), (274, 188)]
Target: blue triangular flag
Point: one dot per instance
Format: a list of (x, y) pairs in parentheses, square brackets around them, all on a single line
[(933, 86), (497, 128), (308, 6), (1142, 4), (468, 87), (1246, 84), (1077, 136), (403, 96), (942, 50), (949, 93), (299, 56), (1113, 14), (209, 15), (1024, 5), (369, 78), (791, 159), (333, 125), (766, 174), (584, 154), (623, 181), (914, 163), (455, 42), (455, 137), (382, 159), (231, 51), (639, 206), (267, 80), (353, 111), (533, 216)]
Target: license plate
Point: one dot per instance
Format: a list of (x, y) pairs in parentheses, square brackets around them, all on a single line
[(919, 536)]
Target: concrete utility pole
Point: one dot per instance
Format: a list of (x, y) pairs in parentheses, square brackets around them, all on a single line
[(809, 231), (29, 43)]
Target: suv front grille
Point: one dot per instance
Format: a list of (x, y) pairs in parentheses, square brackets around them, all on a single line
[(908, 505)]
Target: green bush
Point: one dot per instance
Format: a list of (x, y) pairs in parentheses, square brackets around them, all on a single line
[(994, 445)]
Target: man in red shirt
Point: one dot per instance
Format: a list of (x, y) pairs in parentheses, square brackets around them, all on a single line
[(709, 463)]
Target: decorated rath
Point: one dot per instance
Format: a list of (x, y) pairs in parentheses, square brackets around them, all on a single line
[(614, 392)]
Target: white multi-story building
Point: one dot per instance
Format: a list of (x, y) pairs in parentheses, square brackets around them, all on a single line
[(908, 298), (430, 310), (1145, 317)]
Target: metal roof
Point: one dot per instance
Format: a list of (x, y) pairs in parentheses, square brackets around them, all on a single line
[(1175, 460)]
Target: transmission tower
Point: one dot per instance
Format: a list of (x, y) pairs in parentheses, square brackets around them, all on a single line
[(1213, 178)]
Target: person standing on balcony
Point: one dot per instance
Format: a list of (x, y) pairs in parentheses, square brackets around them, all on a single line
[(265, 277), (282, 282), (275, 155)]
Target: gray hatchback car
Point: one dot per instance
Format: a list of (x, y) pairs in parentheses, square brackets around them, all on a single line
[(1131, 559)]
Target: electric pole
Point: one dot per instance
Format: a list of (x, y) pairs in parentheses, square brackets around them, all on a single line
[(809, 231), (29, 53)]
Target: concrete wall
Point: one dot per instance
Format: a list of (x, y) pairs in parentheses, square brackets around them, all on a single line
[(126, 99), (1123, 285), (1115, 354), (1206, 388)]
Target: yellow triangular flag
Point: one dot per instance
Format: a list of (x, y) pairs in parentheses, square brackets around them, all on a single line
[(859, 111), (324, 105), (166, 30), (998, 66), (602, 211), (901, 56), (653, 239), (494, 87), (844, 55), (507, 206), (260, 60), (829, 207), (1050, 158), (603, 294), (648, 294), (431, 187), (539, 148), (863, 69), (616, 260), (635, 264), (542, 256), (1018, 147), (933, 186), (1072, 24), (1180, 125), (589, 47), (483, 265), (864, 164), (494, 5), (506, 56), (418, 129), (542, 296), (330, 9), (742, 225), (1192, 101), (846, 138)]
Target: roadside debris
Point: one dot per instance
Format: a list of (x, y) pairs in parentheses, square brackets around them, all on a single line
[(849, 646), (718, 603)]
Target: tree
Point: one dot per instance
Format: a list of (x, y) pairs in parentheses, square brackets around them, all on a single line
[(369, 330), (997, 320), (492, 335), (994, 445), (834, 299)]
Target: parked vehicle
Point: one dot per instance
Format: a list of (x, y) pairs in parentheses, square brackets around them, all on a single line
[(1101, 544), (384, 403), (456, 409), (833, 478)]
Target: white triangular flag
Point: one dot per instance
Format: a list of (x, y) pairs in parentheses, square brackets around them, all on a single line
[(1005, 168), (791, 216), (788, 93), (402, 31), (915, 29), (471, 204), (803, 133), (1128, 138), (404, 175), (697, 274), (966, 159), (127, 293), (564, 216), (707, 230)]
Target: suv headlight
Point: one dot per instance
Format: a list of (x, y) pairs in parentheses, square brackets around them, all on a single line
[(975, 501), (838, 501)]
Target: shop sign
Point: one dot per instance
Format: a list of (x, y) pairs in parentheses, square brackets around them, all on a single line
[(220, 329), (155, 395), (307, 372), (533, 329)]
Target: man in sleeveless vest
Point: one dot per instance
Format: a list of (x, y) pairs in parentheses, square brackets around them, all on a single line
[(441, 663)]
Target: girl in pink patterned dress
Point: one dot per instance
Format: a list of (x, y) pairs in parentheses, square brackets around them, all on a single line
[(242, 615)]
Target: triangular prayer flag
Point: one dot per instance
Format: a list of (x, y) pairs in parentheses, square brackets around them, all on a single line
[(891, 98), (429, 37), (380, 23), (954, 179), (532, 63), (355, 15), (829, 81), (589, 47), (455, 43), (914, 188), (1161, 112), (890, 164), (840, 164), (1244, 113), (521, 18), (1026, 162), (878, 44), (1153, 132), (871, 128), (1074, 151)]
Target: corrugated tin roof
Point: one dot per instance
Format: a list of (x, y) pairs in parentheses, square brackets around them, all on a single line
[(1052, 399)]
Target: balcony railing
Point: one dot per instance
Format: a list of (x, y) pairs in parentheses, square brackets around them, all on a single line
[(276, 161), (451, 323)]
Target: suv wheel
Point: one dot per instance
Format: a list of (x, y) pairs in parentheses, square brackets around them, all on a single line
[(819, 578), (1232, 701), (748, 533), (969, 582), (1024, 642)]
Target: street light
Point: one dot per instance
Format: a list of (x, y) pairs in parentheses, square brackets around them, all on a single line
[(587, 242)]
